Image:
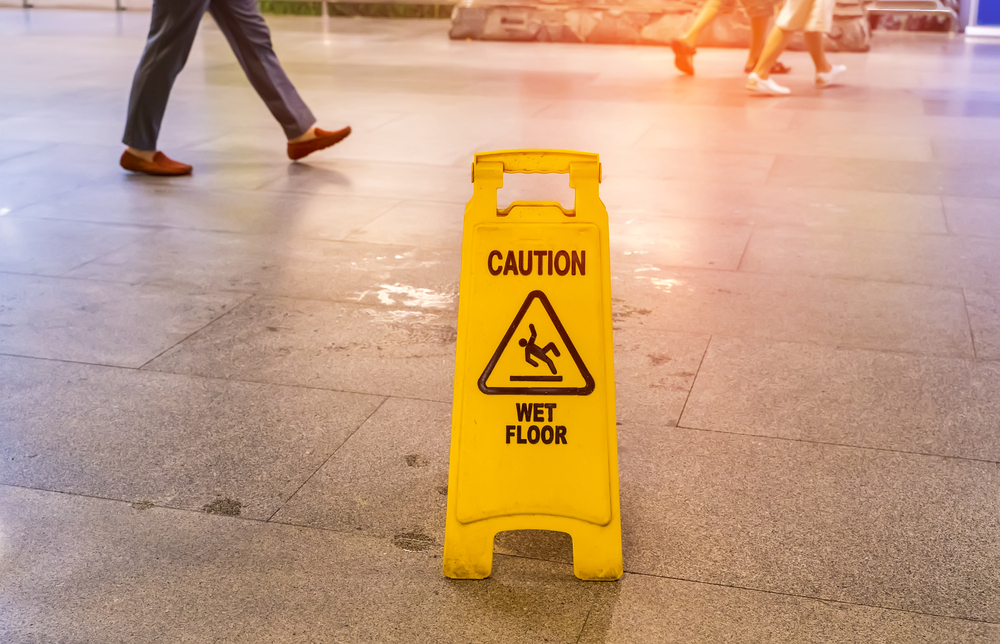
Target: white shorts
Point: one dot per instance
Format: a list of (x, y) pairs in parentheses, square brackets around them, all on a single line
[(806, 15)]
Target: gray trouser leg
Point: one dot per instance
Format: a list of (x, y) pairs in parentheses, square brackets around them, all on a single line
[(248, 35), (172, 30)]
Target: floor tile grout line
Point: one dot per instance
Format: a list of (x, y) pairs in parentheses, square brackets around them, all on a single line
[(638, 139), (770, 170), (813, 598), (746, 249), (172, 508), (328, 458), (834, 347), (94, 222), (109, 499), (399, 116), (45, 146), (765, 339), (500, 554), (198, 330), (82, 363), (972, 332), (654, 216), (442, 402), (839, 278), (265, 382), (671, 267), (221, 379), (142, 237), (852, 186), (693, 381), (151, 228), (320, 528), (756, 590), (947, 222), (583, 628), (303, 190), (839, 230), (833, 444)]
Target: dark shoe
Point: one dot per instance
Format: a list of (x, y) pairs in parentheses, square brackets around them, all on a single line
[(161, 165), (323, 140), (683, 56), (777, 68)]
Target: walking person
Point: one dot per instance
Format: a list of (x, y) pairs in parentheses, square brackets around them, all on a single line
[(814, 17), (172, 31), (759, 12)]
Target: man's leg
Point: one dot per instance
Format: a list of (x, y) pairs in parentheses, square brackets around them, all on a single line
[(172, 29), (240, 21)]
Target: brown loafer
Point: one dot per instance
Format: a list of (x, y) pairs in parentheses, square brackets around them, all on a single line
[(160, 166), (323, 140)]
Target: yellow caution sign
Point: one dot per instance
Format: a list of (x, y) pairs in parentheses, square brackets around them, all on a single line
[(533, 442)]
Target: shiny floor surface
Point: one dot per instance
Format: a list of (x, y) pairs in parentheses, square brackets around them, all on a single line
[(225, 399)]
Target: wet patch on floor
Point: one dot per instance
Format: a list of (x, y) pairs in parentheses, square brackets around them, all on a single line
[(413, 327), (432, 334), (666, 285), (394, 294), (224, 506), (413, 541), (658, 359), (621, 311), (417, 460)]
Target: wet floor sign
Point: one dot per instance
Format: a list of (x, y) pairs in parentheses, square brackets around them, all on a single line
[(533, 442)]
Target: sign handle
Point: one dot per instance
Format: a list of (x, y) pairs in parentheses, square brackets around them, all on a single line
[(537, 161), (584, 169)]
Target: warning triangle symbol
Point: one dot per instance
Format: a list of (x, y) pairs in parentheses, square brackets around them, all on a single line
[(541, 359)]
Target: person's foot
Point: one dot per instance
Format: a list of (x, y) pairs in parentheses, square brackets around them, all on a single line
[(160, 165), (765, 86), (777, 68), (321, 139), (683, 56), (829, 79)]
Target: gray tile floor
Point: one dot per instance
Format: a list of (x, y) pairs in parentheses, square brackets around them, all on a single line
[(807, 332)]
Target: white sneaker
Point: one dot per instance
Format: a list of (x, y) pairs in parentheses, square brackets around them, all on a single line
[(829, 79), (765, 86)]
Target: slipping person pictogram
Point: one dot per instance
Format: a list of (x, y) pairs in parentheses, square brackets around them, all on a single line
[(532, 349), (505, 372)]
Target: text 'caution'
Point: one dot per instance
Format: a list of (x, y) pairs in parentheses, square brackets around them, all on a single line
[(537, 262)]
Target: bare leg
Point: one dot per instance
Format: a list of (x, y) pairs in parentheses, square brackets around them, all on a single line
[(309, 135), (775, 45), (814, 43), (707, 14), (758, 33), (145, 155)]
